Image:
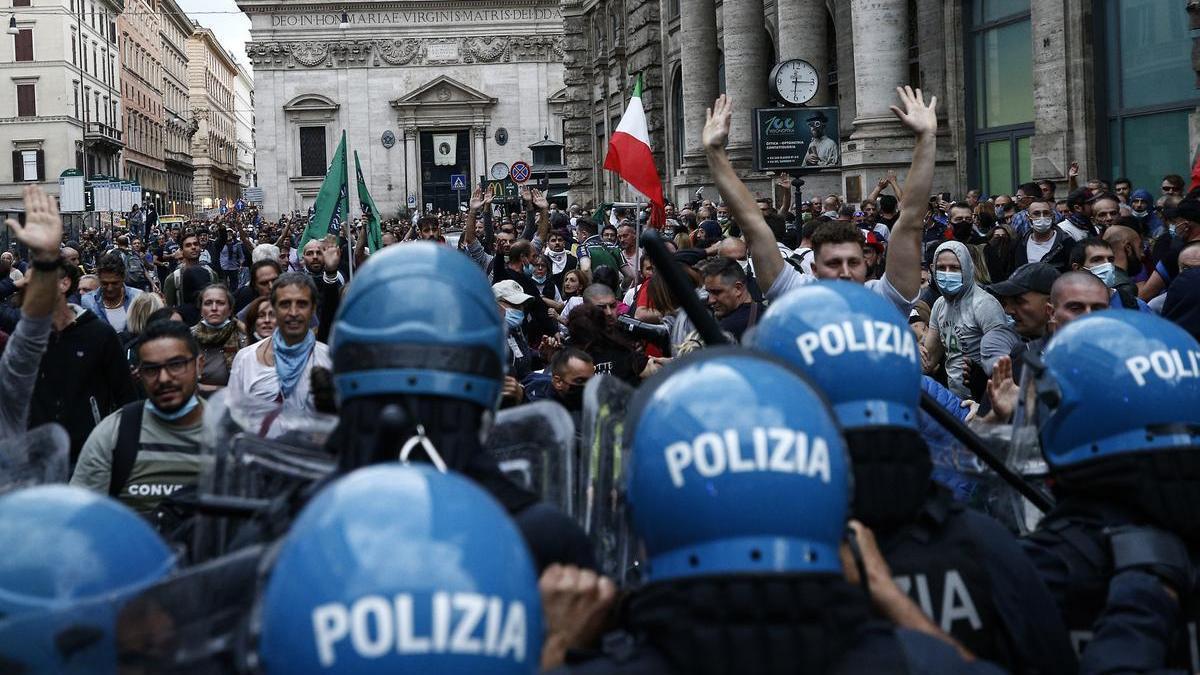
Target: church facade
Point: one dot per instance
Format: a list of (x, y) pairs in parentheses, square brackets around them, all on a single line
[(423, 91)]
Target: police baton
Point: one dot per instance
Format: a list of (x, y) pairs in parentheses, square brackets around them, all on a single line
[(968, 438), (681, 289)]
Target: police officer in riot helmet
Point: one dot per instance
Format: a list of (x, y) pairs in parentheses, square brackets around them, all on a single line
[(965, 570), (1116, 405), (420, 379), (743, 521), (441, 583)]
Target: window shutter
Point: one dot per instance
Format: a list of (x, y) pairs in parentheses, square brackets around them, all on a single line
[(26, 101), (18, 167), (24, 44), (20, 3), (41, 162)]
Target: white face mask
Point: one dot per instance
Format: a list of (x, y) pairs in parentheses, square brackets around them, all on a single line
[(1105, 272), (1041, 225)]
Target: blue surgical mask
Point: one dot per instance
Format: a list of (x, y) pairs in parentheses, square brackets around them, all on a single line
[(178, 414), (540, 280), (1106, 273), (950, 282), (514, 317), (528, 269)]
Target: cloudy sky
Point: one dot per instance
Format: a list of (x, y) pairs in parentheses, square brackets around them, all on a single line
[(231, 27)]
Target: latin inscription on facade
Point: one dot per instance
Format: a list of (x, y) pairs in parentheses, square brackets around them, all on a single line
[(508, 16)]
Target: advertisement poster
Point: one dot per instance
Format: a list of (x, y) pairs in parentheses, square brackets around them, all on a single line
[(796, 139)]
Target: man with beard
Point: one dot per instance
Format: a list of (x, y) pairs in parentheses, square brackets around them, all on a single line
[(321, 259), (568, 373), (279, 370), (150, 449)]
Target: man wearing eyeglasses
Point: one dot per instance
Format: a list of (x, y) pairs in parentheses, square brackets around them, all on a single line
[(149, 450)]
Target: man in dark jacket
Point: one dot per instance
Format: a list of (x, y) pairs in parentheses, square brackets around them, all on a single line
[(84, 374), (1045, 241)]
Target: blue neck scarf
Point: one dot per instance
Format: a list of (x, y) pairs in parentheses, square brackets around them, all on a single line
[(289, 361)]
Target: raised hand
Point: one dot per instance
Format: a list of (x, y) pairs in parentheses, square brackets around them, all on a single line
[(1073, 170), (525, 196), (477, 201), (1002, 389), (891, 176), (882, 182), (920, 118), (539, 200), (717, 121), (332, 254), (784, 181), (43, 228)]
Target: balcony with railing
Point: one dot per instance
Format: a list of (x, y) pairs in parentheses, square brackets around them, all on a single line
[(100, 133)]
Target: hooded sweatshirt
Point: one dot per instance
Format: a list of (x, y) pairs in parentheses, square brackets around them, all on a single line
[(971, 324)]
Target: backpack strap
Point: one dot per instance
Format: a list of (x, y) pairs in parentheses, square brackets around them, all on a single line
[(129, 433)]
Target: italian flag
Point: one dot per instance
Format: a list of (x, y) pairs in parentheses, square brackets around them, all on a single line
[(630, 158)]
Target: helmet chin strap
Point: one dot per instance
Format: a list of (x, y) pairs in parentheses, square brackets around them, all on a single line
[(426, 445)]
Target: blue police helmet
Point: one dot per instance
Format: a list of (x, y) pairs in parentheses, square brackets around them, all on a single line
[(71, 558), (65, 544), (399, 568), (419, 319), (1118, 382), (737, 466), (856, 347)]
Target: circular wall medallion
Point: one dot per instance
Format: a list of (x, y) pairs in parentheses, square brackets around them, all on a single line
[(389, 139), (501, 136)]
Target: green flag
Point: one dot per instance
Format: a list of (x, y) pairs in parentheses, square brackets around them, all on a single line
[(333, 201), (374, 232)]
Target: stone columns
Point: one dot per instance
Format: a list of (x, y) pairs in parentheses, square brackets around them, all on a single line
[(802, 36), (880, 63), (478, 168), (746, 70), (412, 165), (698, 35)]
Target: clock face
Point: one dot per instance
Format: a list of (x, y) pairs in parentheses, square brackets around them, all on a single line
[(499, 171), (795, 81)]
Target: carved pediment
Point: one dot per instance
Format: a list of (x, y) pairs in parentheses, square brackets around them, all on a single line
[(444, 91)]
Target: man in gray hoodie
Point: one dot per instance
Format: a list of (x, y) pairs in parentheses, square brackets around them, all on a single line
[(42, 234), (966, 322)]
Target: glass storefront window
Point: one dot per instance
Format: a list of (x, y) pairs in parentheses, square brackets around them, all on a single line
[(1004, 75), (1151, 90), (1000, 89)]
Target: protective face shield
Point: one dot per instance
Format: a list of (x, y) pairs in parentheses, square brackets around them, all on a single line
[(713, 493), (444, 338), (431, 577), (71, 558)]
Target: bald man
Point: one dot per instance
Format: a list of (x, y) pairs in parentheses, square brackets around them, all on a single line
[(735, 249)]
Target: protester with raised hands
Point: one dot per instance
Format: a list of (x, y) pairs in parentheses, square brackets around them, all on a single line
[(837, 247), (42, 235)]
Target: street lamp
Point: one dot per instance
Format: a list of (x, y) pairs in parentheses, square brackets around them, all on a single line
[(343, 25), (12, 26)]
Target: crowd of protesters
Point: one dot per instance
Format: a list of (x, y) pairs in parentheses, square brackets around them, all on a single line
[(123, 336)]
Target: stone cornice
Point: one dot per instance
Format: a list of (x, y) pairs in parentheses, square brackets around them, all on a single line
[(298, 6), (405, 51)]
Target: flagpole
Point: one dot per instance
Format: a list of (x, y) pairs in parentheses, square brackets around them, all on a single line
[(350, 231)]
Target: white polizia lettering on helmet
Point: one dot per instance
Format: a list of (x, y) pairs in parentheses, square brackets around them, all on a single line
[(774, 449), (1166, 364), (460, 623), (835, 339)]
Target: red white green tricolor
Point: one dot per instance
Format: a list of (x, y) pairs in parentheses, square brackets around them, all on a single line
[(629, 154)]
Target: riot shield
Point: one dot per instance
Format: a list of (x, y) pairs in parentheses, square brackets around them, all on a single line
[(535, 446), (247, 467), (191, 623), (37, 457), (601, 510), (972, 482)]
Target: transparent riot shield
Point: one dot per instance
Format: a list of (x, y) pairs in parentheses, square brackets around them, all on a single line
[(37, 457), (601, 510), (246, 468), (535, 446), (974, 483), (193, 622)]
